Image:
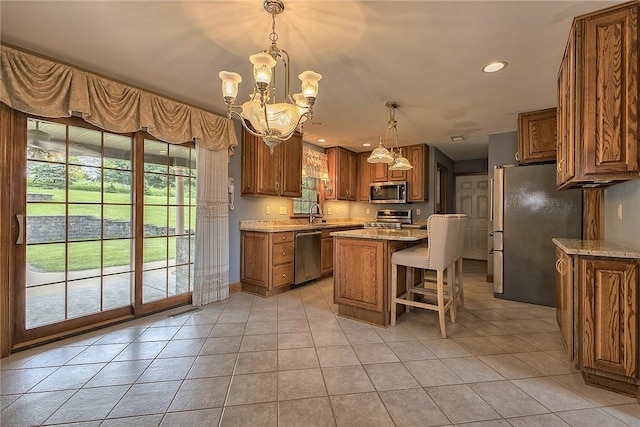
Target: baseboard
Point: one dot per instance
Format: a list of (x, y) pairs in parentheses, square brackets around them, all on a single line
[(234, 287)]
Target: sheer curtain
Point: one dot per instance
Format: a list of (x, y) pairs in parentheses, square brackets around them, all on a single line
[(211, 264)]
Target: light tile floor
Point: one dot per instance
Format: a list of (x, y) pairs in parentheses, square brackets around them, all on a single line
[(289, 361)]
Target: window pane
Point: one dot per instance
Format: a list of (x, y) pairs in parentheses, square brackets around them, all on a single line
[(192, 193), (117, 151), (155, 156), (84, 259), (85, 146), (85, 184), (154, 285), (84, 297), (156, 188), (180, 193), (155, 252), (117, 221), (85, 222), (46, 141), (116, 290), (178, 219), (45, 304), (45, 259), (155, 221), (179, 159), (172, 250), (116, 256), (46, 222), (117, 186), (46, 182)]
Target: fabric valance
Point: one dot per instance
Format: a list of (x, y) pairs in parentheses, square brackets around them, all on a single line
[(314, 164), (39, 86)]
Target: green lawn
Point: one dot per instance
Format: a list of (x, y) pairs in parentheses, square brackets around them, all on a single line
[(87, 255)]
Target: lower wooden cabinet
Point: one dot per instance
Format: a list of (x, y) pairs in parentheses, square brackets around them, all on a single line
[(266, 262), (609, 316), (597, 314)]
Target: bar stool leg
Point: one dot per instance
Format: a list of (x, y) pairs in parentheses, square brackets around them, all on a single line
[(394, 292), (451, 285), (440, 291), (409, 281), (459, 283)]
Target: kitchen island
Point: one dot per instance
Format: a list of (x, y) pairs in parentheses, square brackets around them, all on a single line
[(362, 271)]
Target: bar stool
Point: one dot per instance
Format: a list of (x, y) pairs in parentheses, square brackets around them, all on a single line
[(439, 255)]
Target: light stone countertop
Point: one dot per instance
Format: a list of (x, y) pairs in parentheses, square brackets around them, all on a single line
[(269, 227), (405, 234), (595, 248)]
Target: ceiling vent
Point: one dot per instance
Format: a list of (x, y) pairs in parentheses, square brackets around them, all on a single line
[(456, 138)]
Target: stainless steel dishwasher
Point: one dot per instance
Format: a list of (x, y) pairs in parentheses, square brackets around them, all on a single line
[(308, 246)]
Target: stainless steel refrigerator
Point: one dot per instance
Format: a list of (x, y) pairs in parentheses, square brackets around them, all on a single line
[(527, 213)]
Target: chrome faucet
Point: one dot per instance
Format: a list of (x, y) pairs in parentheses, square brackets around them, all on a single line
[(312, 215)]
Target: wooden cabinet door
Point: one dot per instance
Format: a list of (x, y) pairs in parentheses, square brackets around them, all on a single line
[(537, 135), (292, 166), (397, 175), (379, 172), (248, 149), (327, 255), (610, 93), (566, 114), (418, 177), (268, 170), (345, 169), (363, 289), (364, 177), (610, 322), (564, 300), (254, 258)]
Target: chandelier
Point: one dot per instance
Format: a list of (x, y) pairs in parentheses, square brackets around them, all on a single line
[(272, 120), (393, 157)]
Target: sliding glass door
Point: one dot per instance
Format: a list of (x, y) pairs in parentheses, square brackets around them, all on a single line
[(108, 230)]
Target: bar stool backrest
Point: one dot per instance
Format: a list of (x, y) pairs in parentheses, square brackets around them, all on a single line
[(443, 240)]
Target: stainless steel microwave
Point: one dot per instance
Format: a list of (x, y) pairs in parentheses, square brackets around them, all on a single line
[(388, 192)]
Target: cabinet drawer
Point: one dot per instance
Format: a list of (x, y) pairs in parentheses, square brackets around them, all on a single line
[(283, 275), (282, 253), (287, 236)]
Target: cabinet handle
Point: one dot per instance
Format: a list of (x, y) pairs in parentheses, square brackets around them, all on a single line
[(284, 238), (560, 163), (558, 264), (284, 275), (517, 157), (277, 186), (284, 253)]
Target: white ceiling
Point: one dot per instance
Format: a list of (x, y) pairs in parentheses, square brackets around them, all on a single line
[(427, 55)]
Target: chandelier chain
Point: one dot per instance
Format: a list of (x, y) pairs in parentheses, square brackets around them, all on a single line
[(273, 36)]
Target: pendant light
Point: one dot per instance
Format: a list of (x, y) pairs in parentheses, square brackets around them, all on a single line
[(395, 160)]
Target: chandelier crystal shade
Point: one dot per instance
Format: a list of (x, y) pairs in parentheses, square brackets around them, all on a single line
[(272, 119), (395, 160)]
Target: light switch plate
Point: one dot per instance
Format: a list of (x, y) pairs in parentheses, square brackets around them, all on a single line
[(329, 212), (368, 211), (268, 210), (418, 212), (620, 211), (283, 210)]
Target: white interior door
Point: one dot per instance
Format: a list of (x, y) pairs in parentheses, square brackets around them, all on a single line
[(472, 198)]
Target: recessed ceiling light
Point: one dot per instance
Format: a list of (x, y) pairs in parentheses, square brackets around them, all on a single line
[(455, 138), (366, 144), (494, 66), (322, 140)]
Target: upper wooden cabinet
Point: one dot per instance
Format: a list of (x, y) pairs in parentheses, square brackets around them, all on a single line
[(342, 172), (418, 177), (266, 174), (537, 136), (598, 102), (364, 176)]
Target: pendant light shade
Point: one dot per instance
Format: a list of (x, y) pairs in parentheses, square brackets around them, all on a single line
[(380, 155), (400, 163)]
